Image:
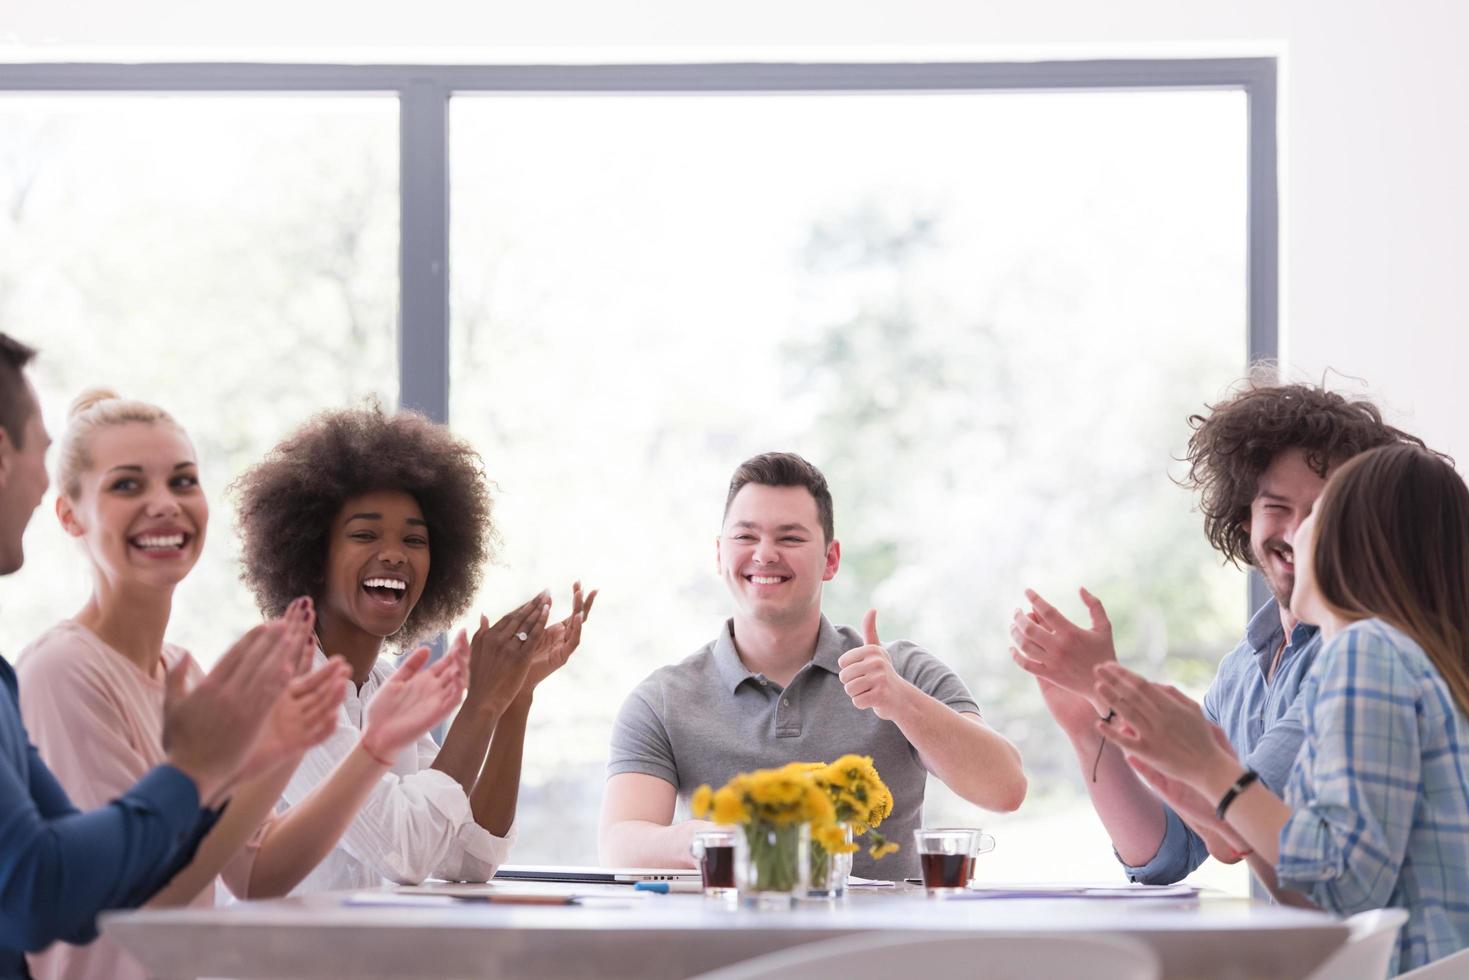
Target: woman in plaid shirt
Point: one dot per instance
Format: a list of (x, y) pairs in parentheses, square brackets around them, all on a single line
[(1376, 812)]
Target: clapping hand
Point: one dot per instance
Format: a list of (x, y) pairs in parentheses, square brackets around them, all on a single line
[(1049, 645), (500, 656), (305, 714), (209, 733), (869, 677), (1073, 712), (413, 700), (1163, 728), (559, 640)]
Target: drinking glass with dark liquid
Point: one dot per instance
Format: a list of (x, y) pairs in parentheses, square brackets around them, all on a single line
[(983, 844), (715, 852), (947, 857)]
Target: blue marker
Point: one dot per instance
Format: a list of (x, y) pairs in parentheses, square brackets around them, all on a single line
[(667, 887)]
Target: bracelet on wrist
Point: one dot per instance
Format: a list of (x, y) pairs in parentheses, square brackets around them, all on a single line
[(1097, 762), (362, 744), (1240, 784)]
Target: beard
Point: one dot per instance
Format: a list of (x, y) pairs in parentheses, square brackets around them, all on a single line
[(1281, 586), (1281, 582)]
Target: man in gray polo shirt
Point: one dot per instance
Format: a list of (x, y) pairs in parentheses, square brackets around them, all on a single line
[(780, 683)]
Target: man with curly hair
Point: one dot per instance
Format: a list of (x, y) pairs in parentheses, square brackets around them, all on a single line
[(1258, 461), (385, 521), (780, 683)]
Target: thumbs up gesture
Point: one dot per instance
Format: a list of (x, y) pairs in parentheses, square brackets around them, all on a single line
[(869, 678)]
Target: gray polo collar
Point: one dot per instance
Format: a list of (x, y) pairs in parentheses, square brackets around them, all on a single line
[(829, 648)]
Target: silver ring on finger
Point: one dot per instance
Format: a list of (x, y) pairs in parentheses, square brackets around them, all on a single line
[(522, 636)]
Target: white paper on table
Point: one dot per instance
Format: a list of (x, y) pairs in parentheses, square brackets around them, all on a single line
[(855, 882), (401, 899), (599, 896), (1066, 890)]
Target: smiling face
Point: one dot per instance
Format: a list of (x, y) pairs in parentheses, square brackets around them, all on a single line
[(23, 482), (377, 562), (1306, 602), (1286, 493), (139, 510), (773, 556)]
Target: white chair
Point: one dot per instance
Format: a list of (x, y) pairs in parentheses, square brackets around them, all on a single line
[(1454, 967), (1369, 948), (938, 956)]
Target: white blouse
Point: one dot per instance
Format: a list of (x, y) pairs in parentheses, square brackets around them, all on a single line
[(416, 823)]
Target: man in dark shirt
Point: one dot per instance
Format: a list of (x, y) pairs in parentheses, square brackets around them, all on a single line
[(60, 867)]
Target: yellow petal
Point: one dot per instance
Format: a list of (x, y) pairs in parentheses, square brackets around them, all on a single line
[(702, 802)]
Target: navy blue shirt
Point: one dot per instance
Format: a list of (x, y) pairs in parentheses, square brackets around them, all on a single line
[(59, 867)]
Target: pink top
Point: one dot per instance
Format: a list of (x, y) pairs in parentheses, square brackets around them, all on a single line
[(97, 720)]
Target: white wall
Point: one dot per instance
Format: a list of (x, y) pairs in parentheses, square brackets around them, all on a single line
[(1376, 205)]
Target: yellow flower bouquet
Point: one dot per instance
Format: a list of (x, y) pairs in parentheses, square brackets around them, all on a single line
[(859, 797), (860, 801), (796, 816)]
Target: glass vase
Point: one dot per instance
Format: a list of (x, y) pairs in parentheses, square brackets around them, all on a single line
[(829, 871), (772, 863)]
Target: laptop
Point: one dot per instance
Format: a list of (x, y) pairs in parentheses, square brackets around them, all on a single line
[(590, 875)]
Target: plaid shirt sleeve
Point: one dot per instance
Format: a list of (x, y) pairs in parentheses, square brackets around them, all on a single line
[(1357, 780)]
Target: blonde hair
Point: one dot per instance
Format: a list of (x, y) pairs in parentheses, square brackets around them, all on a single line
[(93, 409)]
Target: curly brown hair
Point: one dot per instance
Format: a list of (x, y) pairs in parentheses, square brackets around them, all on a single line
[(1234, 444), (287, 502)]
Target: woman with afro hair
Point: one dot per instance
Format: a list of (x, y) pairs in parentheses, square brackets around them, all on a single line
[(385, 521)]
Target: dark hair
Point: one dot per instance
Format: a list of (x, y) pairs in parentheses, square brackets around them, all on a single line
[(1392, 541), (1235, 443), (288, 501), (785, 470), (16, 404)]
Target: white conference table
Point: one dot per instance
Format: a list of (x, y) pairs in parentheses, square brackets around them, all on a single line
[(616, 935)]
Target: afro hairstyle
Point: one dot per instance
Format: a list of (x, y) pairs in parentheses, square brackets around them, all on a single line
[(288, 501)]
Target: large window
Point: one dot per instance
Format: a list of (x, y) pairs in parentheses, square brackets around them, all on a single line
[(985, 316), (232, 259), (982, 298)]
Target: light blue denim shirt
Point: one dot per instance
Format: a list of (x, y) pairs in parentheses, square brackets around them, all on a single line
[(1262, 720)]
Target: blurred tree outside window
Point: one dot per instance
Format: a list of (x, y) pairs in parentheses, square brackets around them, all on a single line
[(986, 317), (233, 259)]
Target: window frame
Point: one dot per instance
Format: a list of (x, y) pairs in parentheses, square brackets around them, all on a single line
[(423, 93)]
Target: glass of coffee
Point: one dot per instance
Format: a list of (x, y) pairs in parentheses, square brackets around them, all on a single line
[(983, 844), (947, 858), (715, 852)]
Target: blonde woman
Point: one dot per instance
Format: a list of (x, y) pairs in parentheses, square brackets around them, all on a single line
[(93, 685)]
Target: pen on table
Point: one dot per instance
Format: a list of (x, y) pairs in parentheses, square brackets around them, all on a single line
[(525, 899), (429, 899), (667, 887)]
